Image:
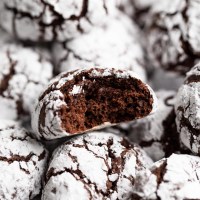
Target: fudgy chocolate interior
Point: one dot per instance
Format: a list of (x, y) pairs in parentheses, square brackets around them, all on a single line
[(103, 99)]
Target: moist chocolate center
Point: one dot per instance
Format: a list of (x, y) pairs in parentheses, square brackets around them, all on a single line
[(94, 101)]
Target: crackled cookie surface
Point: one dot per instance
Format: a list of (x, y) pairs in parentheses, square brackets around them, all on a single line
[(139, 10), (95, 166), (23, 75), (115, 45), (174, 178), (173, 35), (22, 163), (90, 98), (50, 20), (188, 108)]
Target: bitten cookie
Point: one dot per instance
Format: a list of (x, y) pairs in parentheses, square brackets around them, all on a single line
[(115, 45), (157, 133), (174, 178), (22, 163), (173, 35), (94, 166), (187, 109), (87, 99), (23, 75), (51, 20)]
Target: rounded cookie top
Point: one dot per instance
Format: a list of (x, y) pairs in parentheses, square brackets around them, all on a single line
[(23, 75), (173, 35), (187, 109), (174, 178), (102, 47), (90, 98), (22, 163), (139, 10), (98, 165), (50, 20)]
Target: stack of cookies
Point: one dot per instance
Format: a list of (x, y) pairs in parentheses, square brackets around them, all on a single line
[(99, 100)]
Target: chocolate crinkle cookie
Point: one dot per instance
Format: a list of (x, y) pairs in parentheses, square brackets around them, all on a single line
[(115, 45), (52, 20), (98, 165), (90, 98), (173, 35), (139, 10), (173, 178), (157, 134), (22, 163), (23, 75), (5, 38), (187, 110)]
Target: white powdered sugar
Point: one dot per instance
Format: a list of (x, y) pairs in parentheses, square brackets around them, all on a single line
[(22, 163), (46, 116), (4, 37), (149, 132), (98, 165), (114, 45), (23, 75), (77, 89), (53, 20), (174, 178), (188, 109), (134, 7), (173, 34)]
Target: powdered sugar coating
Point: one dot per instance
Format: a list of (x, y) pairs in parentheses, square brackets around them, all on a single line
[(52, 20), (136, 8), (174, 178), (50, 102), (23, 75), (98, 165), (4, 37), (188, 110), (173, 35), (104, 47), (22, 163), (8, 124)]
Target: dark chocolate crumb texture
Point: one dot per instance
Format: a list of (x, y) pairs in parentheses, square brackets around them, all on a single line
[(86, 99), (157, 134)]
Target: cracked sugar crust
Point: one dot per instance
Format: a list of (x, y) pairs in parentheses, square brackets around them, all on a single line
[(102, 47), (52, 20), (139, 10), (174, 178), (23, 75), (98, 165), (22, 162), (90, 98), (173, 35), (187, 109), (157, 133)]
